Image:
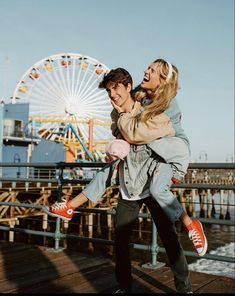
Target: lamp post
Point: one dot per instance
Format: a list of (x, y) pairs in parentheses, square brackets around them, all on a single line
[(205, 156), (229, 158)]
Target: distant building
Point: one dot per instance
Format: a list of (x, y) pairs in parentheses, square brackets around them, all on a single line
[(21, 143)]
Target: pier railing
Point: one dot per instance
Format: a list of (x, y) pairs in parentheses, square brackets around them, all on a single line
[(203, 180)]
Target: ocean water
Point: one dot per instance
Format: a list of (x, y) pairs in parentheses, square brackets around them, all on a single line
[(221, 238), (217, 267)]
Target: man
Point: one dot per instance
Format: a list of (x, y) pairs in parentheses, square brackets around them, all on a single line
[(118, 84)]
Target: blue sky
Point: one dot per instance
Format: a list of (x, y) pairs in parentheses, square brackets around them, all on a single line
[(195, 35)]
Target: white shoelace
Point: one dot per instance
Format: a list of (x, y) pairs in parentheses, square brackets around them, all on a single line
[(59, 205), (195, 237)]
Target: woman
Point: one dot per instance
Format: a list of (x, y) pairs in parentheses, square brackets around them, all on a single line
[(156, 98)]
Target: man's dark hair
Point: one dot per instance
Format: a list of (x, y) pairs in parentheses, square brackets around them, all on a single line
[(118, 75)]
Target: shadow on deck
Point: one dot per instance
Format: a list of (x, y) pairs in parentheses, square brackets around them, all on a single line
[(36, 269)]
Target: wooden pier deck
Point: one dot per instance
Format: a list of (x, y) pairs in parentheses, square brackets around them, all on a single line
[(36, 269)]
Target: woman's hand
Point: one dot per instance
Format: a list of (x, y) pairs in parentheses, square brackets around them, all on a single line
[(118, 108)]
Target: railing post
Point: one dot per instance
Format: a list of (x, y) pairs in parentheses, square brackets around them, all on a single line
[(154, 251), (60, 179), (193, 202), (57, 234), (229, 198), (209, 208), (221, 215), (11, 233), (90, 229), (59, 194)]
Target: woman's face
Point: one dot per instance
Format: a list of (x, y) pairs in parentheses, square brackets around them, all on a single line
[(151, 80)]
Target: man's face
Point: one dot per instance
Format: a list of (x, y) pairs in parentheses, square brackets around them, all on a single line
[(118, 92), (151, 80)]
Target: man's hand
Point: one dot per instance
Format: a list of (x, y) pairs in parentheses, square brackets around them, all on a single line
[(110, 157)]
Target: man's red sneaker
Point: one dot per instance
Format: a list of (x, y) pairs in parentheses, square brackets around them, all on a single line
[(62, 210), (197, 235)]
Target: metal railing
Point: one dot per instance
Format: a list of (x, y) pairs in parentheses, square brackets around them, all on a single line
[(58, 178)]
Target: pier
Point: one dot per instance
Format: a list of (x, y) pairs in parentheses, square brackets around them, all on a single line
[(77, 256), (36, 269)]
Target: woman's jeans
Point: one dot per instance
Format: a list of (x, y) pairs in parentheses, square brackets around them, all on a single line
[(126, 213), (160, 189)]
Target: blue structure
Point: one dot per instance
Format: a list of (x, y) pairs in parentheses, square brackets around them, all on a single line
[(48, 151), (21, 145)]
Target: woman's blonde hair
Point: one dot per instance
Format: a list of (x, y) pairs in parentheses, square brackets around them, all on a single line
[(163, 94)]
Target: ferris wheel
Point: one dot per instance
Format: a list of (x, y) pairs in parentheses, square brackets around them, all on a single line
[(65, 102)]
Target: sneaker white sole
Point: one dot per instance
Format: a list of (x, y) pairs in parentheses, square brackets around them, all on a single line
[(205, 240)]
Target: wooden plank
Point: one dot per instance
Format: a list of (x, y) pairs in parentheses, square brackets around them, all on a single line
[(92, 280), (10, 247), (36, 269), (221, 285), (198, 280), (155, 280), (43, 266)]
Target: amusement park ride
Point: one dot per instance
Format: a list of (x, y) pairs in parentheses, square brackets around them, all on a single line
[(66, 104)]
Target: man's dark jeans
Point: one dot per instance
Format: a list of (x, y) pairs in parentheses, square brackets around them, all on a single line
[(126, 214)]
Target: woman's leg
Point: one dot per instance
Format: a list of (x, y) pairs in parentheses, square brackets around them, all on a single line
[(174, 251), (160, 186), (160, 190), (126, 214)]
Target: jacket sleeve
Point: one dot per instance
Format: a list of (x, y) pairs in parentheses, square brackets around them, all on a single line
[(136, 132), (103, 179), (114, 127)]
